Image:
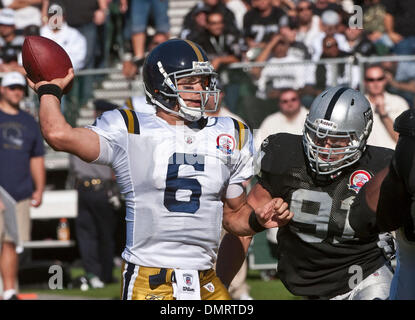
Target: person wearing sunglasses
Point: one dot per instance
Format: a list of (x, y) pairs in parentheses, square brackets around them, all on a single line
[(386, 108), (290, 117), (308, 23)]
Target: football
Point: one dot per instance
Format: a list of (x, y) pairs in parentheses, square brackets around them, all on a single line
[(44, 59)]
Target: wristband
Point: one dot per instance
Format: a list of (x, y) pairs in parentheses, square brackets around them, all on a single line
[(138, 61), (254, 224), (52, 89)]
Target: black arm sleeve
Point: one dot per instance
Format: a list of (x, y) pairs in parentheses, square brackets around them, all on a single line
[(362, 217), (392, 203)]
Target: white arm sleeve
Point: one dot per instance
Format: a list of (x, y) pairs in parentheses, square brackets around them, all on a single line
[(113, 137), (234, 190)]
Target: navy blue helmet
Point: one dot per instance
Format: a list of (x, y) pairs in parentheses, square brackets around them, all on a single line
[(171, 61)]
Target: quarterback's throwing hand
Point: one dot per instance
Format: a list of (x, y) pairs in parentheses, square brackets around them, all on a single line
[(60, 82), (274, 214)]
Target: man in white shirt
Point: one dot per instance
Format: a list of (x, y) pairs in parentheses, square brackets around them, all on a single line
[(289, 119), (67, 37), (386, 108), (75, 45), (279, 74), (330, 21), (308, 24)]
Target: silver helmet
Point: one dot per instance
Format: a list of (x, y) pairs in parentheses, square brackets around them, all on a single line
[(336, 130)]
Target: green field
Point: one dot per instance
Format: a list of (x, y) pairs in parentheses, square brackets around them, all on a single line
[(260, 289)]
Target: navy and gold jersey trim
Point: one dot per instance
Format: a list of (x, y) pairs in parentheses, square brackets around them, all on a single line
[(129, 104), (131, 121), (241, 133)]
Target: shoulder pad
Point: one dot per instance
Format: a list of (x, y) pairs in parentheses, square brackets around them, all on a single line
[(405, 123), (131, 120), (282, 151)]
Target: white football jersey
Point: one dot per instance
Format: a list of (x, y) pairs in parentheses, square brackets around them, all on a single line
[(173, 178)]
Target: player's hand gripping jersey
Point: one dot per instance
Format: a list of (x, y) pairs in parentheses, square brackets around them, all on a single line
[(318, 249), (173, 179)]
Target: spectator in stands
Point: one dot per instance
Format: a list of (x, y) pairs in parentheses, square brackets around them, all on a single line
[(198, 21), (288, 30), (359, 42), (239, 8), (290, 117), (131, 68), (97, 218), (28, 12), (386, 107), (8, 259), (10, 43), (195, 19), (308, 23), (277, 75), (85, 16), (373, 23), (330, 21), (359, 45), (328, 74), (66, 36), (323, 5), (75, 45), (405, 89), (139, 13), (221, 46), (400, 27), (22, 170), (261, 23)]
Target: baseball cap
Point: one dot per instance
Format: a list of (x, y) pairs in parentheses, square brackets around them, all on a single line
[(13, 78), (330, 18), (7, 17)]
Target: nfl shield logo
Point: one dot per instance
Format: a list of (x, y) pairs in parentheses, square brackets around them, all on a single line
[(188, 279)]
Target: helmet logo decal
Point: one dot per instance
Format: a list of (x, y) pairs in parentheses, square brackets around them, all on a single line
[(325, 125), (358, 179)]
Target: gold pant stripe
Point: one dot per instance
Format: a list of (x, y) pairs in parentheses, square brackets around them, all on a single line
[(211, 288)]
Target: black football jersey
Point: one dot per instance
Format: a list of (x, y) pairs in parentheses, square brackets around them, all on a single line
[(318, 250), (396, 206)]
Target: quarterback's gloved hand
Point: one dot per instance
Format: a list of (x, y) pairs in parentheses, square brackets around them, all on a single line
[(387, 243)]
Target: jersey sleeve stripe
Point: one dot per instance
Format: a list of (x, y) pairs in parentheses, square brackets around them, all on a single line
[(242, 132), (129, 104), (131, 121)]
